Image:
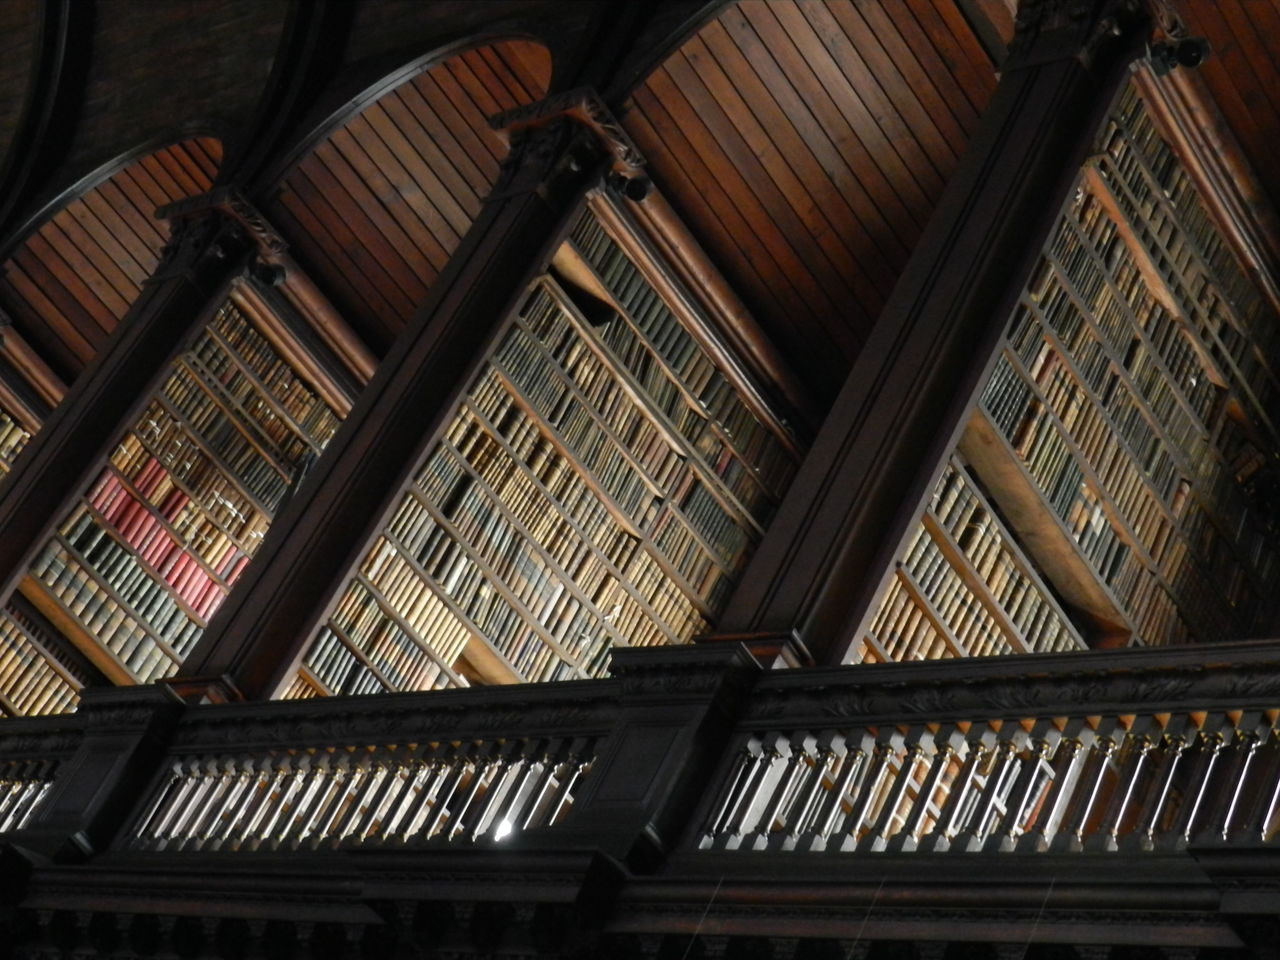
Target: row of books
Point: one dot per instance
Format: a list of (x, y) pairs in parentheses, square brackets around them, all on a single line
[(658, 326), (150, 552), (13, 437), (34, 679)]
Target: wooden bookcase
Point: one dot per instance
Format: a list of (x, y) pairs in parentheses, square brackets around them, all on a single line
[(1129, 406), (135, 570), (602, 483)]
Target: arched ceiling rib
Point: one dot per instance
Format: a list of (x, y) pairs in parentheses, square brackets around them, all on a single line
[(807, 143), (71, 281), (375, 210)]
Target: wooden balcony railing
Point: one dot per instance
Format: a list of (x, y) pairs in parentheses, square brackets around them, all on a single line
[(1135, 750), (31, 752), (374, 772)]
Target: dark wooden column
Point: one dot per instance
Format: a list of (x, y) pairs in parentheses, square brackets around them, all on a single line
[(256, 637), (204, 252), (905, 399)]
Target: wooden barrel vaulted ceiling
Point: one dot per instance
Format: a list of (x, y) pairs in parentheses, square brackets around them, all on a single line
[(807, 144), (377, 207), (69, 283)]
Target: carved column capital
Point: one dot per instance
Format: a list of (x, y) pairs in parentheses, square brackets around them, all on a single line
[(1048, 30)]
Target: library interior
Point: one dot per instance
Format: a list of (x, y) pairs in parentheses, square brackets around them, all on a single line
[(782, 479)]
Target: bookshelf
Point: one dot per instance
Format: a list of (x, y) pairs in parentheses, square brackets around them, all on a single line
[(1115, 443), (144, 558), (602, 483)]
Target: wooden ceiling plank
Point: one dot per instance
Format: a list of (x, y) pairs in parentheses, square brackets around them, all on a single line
[(441, 89), (110, 236), (329, 262), (56, 305), (500, 95), (922, 82), (827, 226), (313, 187), (792, 30), (908, 89), (897, 20), (772, 216), (967, 39), (101, 257), (432, 154), (149, 192), (110, 199), (361, 187), (184, 171), (848, 209), (976, 84), (341, 205), (437, 132), (195, 150), (529, 61), (416, 181), (847, 53), (803, 96), (1250, 124), (175, 183), (55, 337), (479, 99), (73, 271), (1244, 26), (506, 76), (698, 190)]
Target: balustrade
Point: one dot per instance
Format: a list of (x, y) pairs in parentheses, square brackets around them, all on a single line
[(31, 753), (1133, 751)]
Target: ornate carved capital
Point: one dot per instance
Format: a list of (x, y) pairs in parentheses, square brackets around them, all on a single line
[(235, 207), (1048, 30), (583, 106)]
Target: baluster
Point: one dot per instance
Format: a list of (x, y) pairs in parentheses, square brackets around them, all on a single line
[(1257, 823), (1134, 764), (991, 801), (552, 756), (581, 755), (152, 823), (749, 812), (917, 745), (505, 785), (1089, 789), (369, 771), (744, 766), (301, 815), (478, 796), (945, 745), (33, 780), (882, 755), (276, 819), (432, 766), (1068, 761), (855, 764), (393, 766), (1032, 781), (793, 753), (350, 770), (827, 749), (274, 777), (458, 767), (974, 751), (529, 775), (239, 802), (1232, 778), (186, 810), (1154, 807), (213, 803), (1208, 750)]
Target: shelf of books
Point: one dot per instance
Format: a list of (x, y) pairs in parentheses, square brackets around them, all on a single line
[(141, 562), (602, 483), (13, 437), (38, 673), (1125, 414)]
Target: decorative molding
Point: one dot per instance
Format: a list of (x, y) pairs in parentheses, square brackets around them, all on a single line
[(1048, 30), (236, 207)]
